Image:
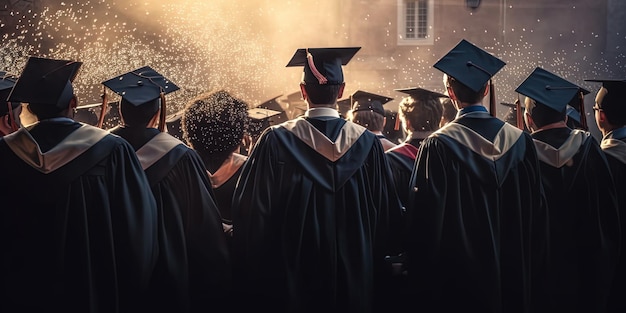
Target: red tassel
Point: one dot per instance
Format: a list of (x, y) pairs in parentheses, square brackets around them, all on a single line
[(320, 78)]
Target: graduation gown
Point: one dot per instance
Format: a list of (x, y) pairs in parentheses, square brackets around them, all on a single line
[(614, 146), (476, 195), (584, 230), (312, 216), (401, 160), (79, 225), (193, 270)]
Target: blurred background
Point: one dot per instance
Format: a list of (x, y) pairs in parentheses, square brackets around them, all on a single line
[(244, 46)]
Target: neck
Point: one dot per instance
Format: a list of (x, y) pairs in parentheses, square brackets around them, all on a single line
[(559, 124)]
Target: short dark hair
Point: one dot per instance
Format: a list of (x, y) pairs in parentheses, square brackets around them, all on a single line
[(46, 111), (464, 93), (368, 119), (543, 115), (424, 113), (322, 94), (138, 115)]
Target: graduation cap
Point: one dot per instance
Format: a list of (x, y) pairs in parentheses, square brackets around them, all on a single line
[(50, 78), (323, 65), (421, 93), (262, 118), (472, 67), (270, 109), (295, 105), (344, 106), (142, 86), (552, 91), (7, 81), (611, 95), (367, 101)]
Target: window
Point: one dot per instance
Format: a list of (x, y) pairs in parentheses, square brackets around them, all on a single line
[(415, 22)]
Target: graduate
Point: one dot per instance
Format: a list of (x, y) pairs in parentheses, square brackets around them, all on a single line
[(315, 206), (79, 226), (215, 124), (476, 193), (9, 111), (420, 113), (193, 269), (610, 116), (367, 110), (583, 219)]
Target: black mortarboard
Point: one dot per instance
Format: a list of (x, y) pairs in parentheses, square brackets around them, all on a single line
[(367, 101), (7, 82), (548, 89), (470, 65), (270, 108), (52, 79), (326, 63), (344, 106), (141, 85), (612, 93), (262, 113), (295, 105), (421, 93)]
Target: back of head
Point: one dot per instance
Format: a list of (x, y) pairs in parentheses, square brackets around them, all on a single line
[(611, 99), (371, 120), (214, 125), (542, 114), (138, 115), (423, 113), (449, 110)]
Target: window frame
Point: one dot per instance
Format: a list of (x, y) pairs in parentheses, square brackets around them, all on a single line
[(429, 39)]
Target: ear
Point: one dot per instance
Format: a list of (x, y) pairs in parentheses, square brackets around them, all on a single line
[(5, 127), (73, 103), (341, 88), (451, 93), (486, 90), (303, 91)]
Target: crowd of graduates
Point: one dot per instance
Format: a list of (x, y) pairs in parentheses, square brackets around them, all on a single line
[(320, 212)]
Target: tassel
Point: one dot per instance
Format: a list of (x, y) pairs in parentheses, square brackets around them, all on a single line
[(518, 115), (12, 118), (492, 98), (103, 108), (163, 113), (320, 78), (583, 116), (397, 125)]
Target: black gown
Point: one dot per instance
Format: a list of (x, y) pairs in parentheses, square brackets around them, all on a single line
[(193, 270), (584, 230), (313, 215), (401, 160), (473, 217), (79, 225), (614, 146)]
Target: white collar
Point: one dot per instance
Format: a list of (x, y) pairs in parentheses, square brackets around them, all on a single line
[(321, 112)]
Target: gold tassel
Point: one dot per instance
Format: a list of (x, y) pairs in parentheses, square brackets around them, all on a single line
[(163, 113), (103, 107)]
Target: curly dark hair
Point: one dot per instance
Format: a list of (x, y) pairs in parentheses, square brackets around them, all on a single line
[(214, 125)]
